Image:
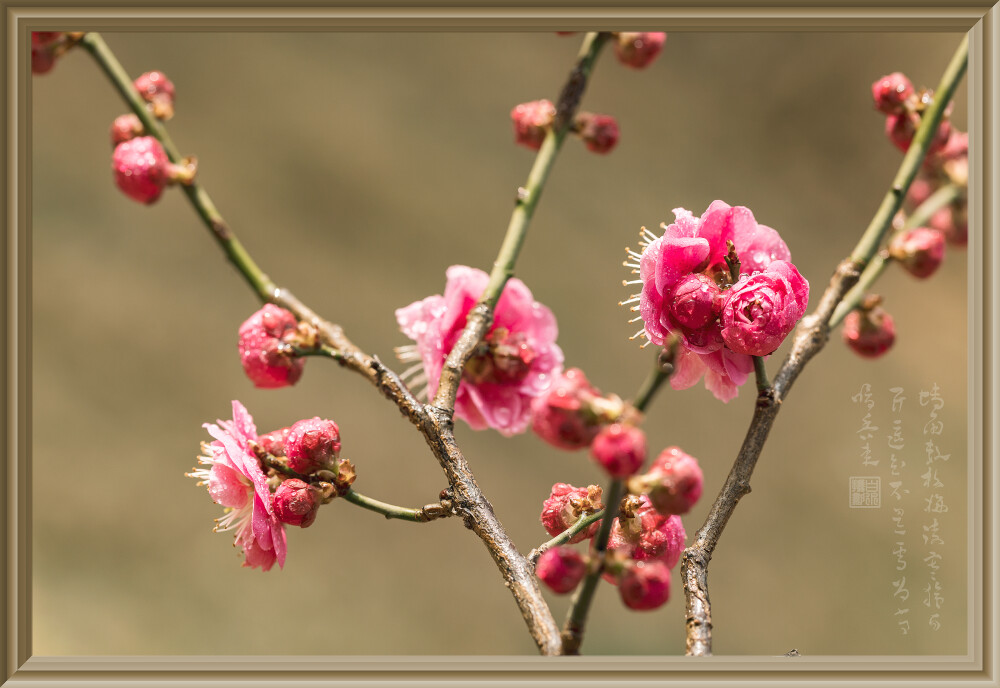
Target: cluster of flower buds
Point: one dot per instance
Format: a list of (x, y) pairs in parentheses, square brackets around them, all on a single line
[(947, 160), (251, 476), (310, 449), (869, 331), (599, 133), (141, 166), (271, 342), (646, 538), (47, 47), (533, 120)]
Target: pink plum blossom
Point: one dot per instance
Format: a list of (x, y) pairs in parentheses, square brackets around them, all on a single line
[(516, 362), (685, 279), (759, 311), (236, 481)]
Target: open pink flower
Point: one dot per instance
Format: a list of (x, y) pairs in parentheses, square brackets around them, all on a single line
[(515, 363), (683, 270), (759, 311), (685, 279), (724, 371), (235, 480)]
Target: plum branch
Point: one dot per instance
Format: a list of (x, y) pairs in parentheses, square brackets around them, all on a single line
[(434, 420), (810, 337)]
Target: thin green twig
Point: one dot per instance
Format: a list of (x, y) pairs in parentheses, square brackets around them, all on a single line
[(481, 316), (562, 538), (576, 621)]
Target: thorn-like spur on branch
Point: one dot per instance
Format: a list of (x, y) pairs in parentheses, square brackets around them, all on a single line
[(433, 420), (810, 337), (481, 316)]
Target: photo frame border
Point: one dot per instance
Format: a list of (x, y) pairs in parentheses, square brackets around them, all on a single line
[(978, 667)]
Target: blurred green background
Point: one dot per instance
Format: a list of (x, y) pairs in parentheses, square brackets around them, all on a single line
[(356, 168)]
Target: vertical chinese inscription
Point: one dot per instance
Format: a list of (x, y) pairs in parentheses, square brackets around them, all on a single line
[(934, 505)]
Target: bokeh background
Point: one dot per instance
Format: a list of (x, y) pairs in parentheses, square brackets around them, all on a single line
[(356, 168)]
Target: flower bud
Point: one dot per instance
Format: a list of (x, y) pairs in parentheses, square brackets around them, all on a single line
[(564, 416), (901, 129), (296, 503), (141, 168), (891, 93), (312, 445), (869, 332), (920, 251), (564, 507), (263, 351), (953, 222), (645, 585), (157, 90), (531, 122), (674, 483), (561, 569), (620, 449), (643, 534), (639, 49), (274, 442), (125, 128), (599, 132), (43, 50)]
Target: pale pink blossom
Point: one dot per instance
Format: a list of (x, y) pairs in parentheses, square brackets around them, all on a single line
[(759, 311), (236, 481), (516, 362)]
